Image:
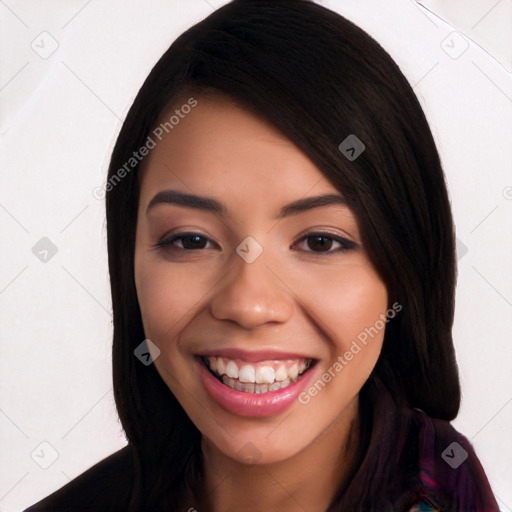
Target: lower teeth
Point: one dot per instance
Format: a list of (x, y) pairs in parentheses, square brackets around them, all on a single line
[(251, 387)]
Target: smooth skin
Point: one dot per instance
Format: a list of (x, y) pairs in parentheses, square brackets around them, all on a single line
[(311, 296)]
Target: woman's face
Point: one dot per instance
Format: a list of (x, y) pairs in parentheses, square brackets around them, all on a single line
[(267, 312)]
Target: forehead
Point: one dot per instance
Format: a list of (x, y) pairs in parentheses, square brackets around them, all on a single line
[(219, 146)]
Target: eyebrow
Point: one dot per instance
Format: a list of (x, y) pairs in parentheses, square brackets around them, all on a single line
[(209, 204)]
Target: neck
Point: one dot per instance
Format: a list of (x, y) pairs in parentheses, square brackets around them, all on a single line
[(308, 480)]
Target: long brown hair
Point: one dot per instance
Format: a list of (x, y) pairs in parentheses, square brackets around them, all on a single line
[(318, 78)]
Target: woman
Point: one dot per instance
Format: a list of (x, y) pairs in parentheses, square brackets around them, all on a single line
[(282, 263)]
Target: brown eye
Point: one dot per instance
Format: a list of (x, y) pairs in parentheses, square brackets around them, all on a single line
[(319, 243), (193, 242), (326, 243)]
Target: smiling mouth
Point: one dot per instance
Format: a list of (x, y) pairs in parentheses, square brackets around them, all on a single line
[(261, 377)]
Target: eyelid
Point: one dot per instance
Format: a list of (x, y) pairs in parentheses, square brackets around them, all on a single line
[(328, 232)]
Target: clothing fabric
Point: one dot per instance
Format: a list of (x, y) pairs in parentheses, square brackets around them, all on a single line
[(423, 506), (449, 470), (420, 461)]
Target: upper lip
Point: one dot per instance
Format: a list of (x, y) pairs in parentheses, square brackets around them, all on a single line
[(252, 356)]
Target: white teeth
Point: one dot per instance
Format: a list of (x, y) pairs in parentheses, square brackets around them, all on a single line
[(259, 377), (293, 372), (265, 375), (281, 374), (232, 370), (213, 363), (247, 373)]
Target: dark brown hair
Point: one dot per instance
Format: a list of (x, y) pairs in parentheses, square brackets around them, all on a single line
[(318, 78)]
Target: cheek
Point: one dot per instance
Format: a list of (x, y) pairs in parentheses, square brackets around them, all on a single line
[(360, 300), (349, 307), (165, 296), (345, 301)]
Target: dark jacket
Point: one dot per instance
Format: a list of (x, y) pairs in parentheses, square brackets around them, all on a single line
[(104, 487)]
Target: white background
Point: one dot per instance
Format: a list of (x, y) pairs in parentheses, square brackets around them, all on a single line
[(59, 119)]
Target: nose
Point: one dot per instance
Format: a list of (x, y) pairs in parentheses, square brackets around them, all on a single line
[(252, 295)]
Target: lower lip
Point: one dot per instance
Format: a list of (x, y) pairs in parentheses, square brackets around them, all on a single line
[(254, 405)]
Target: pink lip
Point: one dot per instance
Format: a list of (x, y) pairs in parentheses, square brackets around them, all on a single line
[(255, 405), (262, 355)]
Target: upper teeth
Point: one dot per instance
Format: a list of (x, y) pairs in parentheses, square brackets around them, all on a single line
[(265, 372)]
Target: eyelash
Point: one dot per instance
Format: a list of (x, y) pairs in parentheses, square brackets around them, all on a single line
[(345, 244)]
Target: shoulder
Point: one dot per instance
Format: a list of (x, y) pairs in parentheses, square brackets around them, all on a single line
[(449, 468), (105, 486)]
